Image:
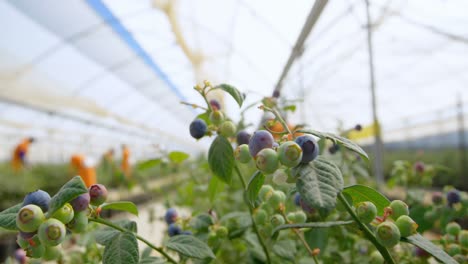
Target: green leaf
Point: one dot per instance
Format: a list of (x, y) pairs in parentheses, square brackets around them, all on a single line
[(121, 206), (190, 246), (317, 238), (221, 159), (8, 217), (339, 140), (122, 249), (255, 183), (291, 108), (202, 222), (361, 193), (152, 260), (318, 183), (68, 192), (105, 235), (205, 117), (148, 164), (178, 156), (312, 225), (214, 188), (432, 249), (236, 94), (285, 249)]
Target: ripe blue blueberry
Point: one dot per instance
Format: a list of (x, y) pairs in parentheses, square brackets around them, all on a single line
[(309, 146), (171, 216), (297, 199), (98, 194), (334, 148), (243, 138), (198, 128), (358, 127), (174, 230), (81, 202), (261, 139), (453, 197), (39, 198)]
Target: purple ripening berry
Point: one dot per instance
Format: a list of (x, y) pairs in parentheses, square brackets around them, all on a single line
[(171, 216)]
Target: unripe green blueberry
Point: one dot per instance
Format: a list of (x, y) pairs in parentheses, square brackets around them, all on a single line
[(291, 217), (277, 220), (35, 252), (97, 194), (376, 258), (406, 225), (52, 253), (267, 160), (453, 228), (216, 117), (453, 249), (449, 238), (227, 129), (79, 223), (52, 232), (265, 192), (430, 216), (22, 242), (387, 234), (260, 216), (290, 154), (222, 232), (399, 208), (242, 153), (275, 199), (29, 218), (64, 214), (301, 217), (366, 212), (35, 249), (463, 239)]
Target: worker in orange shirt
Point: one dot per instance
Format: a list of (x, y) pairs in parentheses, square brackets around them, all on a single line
[(126, 161), (19, 154), (84, 169)]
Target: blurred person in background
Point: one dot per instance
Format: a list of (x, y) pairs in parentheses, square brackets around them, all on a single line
[(19, 154), (126, 162), (85, 168)]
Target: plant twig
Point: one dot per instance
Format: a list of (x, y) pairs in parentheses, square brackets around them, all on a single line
[(254, 225), (116, 227), (368, 233), (280, 119)]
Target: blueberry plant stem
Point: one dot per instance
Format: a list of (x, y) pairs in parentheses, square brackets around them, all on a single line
[(254, 225), (300, 235), (116, 227), (368, 233)]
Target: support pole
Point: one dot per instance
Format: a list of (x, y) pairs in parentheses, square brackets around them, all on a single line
[(378, 145)]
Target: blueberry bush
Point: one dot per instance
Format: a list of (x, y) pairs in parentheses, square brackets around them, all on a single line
[(274, 196)]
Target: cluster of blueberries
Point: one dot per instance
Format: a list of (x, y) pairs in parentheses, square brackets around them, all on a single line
[(171, 217), (41, 233)]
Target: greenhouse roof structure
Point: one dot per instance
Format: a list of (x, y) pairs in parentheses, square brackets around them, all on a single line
[(100, 73)]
